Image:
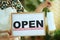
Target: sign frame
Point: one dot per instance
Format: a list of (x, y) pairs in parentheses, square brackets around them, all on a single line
[(30, 13)]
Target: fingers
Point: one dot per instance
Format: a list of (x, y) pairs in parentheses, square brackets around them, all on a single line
[(48, 3), (42, 6)]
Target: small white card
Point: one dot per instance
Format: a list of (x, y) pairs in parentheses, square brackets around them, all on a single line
[(51, 22)]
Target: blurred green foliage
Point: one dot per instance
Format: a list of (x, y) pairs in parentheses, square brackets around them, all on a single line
[(51, 0), (30, 5), (57, 35)]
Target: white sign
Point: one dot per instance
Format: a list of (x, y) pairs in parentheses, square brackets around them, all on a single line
[(51, 22), (28, 24)]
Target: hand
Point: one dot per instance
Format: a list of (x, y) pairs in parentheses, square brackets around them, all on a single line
[(48, 3), (42, 6)]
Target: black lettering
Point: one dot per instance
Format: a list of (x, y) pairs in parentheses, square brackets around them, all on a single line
[(32, 24), (24, 23), (38, 23), (16, 22)]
